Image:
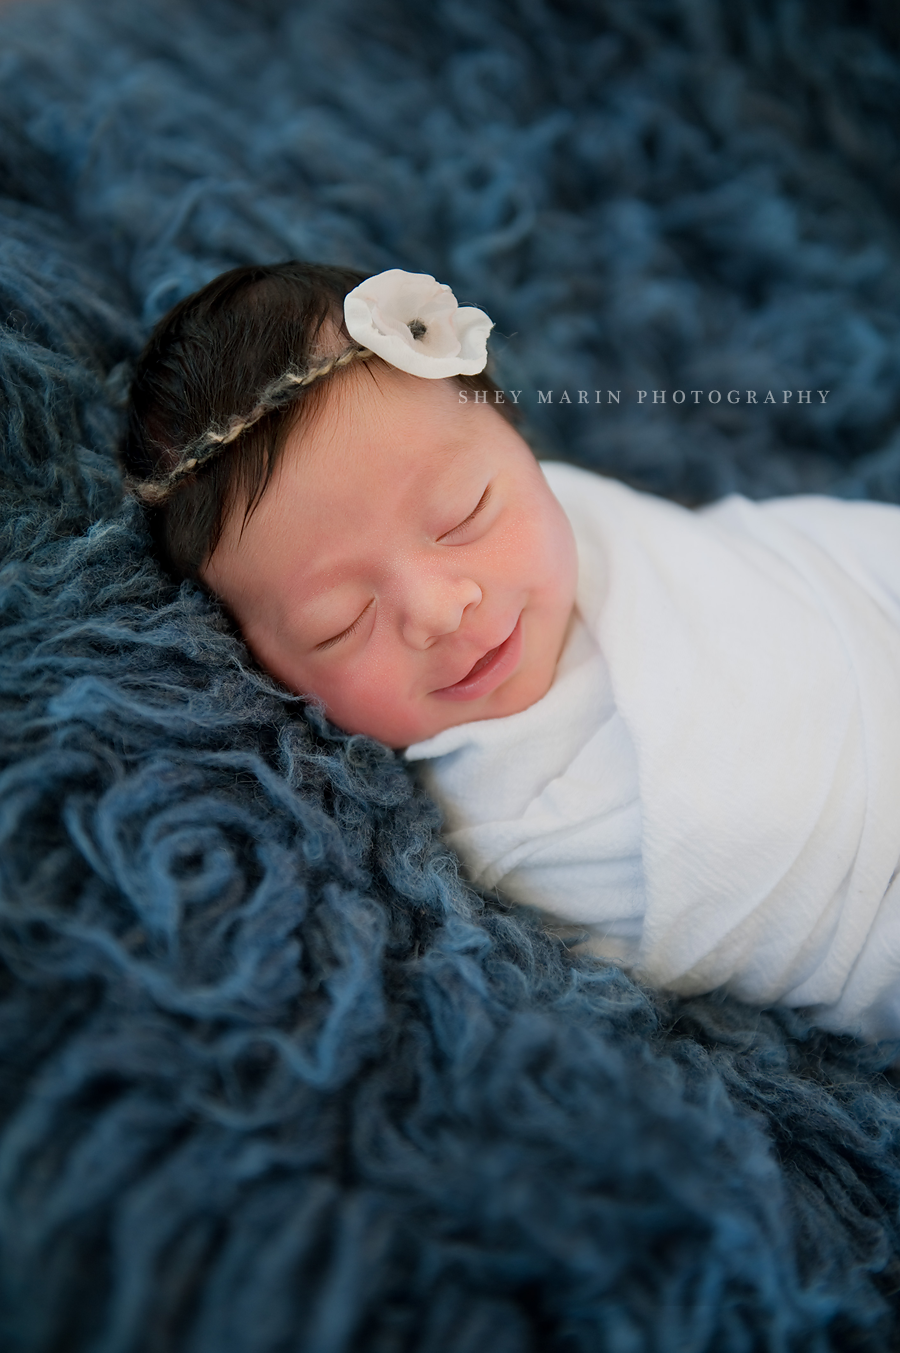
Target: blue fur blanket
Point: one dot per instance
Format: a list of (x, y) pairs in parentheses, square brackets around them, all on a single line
[(272, 1077)]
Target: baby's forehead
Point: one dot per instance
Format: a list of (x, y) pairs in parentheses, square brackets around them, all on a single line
[(374, 412), (378, 442), (375, 390)]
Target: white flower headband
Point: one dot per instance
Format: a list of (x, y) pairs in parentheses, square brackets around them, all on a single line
[(407, 318), (416, 324)]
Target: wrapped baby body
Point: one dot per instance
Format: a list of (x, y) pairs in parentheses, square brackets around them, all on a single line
[(712, 784)]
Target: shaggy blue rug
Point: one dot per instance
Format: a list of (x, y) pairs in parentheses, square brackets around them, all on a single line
[(272, 1078)]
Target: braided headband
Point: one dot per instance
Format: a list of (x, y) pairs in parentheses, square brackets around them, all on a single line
[(408, 319), (213, 441)]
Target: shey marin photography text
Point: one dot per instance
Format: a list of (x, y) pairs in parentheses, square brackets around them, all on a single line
[(645, 396)]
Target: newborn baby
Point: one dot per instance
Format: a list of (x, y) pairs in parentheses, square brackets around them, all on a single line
[(676, 729)]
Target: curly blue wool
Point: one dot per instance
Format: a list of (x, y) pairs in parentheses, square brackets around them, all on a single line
[(272, 1077)]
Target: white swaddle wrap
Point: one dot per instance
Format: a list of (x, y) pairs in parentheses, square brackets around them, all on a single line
[(712, 783)]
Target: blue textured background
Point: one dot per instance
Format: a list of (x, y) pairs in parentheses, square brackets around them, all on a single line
[(271, 1077)]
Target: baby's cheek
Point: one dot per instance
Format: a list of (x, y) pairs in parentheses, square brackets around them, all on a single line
[(561, 554), (368, 696)]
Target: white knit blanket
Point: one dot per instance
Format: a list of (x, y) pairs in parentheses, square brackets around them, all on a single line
[(712, 784)]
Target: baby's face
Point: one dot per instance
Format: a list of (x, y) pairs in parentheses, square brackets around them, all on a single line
[(407, 565)]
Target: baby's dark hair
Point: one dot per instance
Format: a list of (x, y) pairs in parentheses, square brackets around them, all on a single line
[(224, 378)]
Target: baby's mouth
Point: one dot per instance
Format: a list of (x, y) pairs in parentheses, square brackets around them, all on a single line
[(491, 669), (482, 662)]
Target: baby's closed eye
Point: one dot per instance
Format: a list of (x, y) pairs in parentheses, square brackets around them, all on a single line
[(479, 507), (345, 633)]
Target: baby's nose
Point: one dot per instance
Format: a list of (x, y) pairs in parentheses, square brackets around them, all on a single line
[(437, 608)]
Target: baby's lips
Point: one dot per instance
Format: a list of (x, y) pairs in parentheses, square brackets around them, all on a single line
[(486, 652), (475, 668), (485, 676)]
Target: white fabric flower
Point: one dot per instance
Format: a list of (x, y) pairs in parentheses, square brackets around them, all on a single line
[(415, 323)]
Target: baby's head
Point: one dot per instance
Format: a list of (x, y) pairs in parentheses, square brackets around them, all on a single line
[(386, 543)]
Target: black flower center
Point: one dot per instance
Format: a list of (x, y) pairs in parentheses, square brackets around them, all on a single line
[(417, 329)]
